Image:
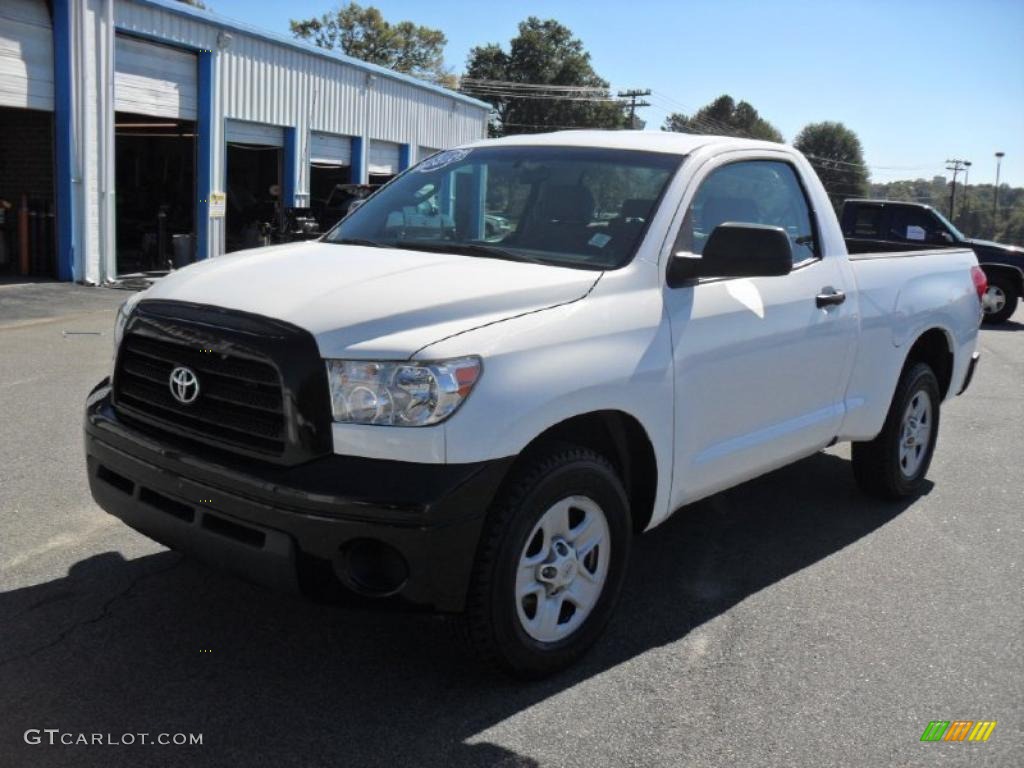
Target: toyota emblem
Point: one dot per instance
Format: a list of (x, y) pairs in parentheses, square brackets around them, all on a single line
[(184, 385)]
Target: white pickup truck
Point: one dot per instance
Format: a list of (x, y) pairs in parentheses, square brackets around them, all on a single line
[(484, 381)]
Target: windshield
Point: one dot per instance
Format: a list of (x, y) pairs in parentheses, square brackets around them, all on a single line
[(953, 230), (567, 206)]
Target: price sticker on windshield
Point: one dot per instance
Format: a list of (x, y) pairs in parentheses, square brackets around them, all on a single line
[(441, 159)]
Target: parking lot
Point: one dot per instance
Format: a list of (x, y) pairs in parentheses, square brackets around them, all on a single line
[(790, 621)]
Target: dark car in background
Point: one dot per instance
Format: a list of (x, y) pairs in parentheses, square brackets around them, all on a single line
[(876, 225)]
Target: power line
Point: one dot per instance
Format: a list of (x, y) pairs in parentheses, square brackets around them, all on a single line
[(634, 94)]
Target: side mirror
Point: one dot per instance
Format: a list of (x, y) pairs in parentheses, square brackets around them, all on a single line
[(736, 250)]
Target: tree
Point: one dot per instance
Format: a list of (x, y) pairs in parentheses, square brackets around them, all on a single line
[(363, 33), (835, 152), (723, 116), (545, 53)]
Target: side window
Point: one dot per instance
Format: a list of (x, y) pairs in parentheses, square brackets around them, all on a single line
[(750, 192), (914, 225), (868, 222)]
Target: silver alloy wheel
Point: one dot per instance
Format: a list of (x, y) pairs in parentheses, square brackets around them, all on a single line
[(915, 432), (995, 299), (562, 569)]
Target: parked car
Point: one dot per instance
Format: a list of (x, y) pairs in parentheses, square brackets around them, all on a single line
[(481, 427), (871, 225)]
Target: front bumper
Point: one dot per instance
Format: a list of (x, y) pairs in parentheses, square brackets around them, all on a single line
[(260, 520)]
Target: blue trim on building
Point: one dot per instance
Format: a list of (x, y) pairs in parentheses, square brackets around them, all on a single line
[(221, 22), (404, 156), (204, 154), (290, 167), (358, 160), (63, 80)]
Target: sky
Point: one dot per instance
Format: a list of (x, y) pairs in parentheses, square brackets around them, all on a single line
[(920, 81)]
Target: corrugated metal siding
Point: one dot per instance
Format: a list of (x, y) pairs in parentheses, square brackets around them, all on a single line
[(264, 81), (26, 55)]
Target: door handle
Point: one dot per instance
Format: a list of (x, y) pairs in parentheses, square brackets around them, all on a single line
[(829, 297)]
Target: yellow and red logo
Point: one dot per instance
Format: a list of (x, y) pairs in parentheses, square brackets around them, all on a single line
[(958, 730)]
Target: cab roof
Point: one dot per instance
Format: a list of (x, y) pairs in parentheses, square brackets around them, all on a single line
[(668, 142)]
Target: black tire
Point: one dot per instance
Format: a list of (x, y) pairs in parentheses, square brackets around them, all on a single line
[(491, 623), (1010, 292), (876, 464)]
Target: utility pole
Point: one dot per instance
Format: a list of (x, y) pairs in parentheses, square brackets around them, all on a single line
[(634, 94), (955, 166), (966, 208), (995, 198)]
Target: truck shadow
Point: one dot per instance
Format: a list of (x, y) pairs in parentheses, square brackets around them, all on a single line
[(1009, 325), (160, 644)]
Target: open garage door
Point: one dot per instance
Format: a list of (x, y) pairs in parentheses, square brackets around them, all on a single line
[(155, 102), (329, 149), (383, 161), (330, 177), (27, 231), (243, 132), (153, 79), (254, 156), (26, 55)]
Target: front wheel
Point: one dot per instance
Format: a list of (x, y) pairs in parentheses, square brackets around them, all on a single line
[(551, 563), (894, 464), (999, 301)]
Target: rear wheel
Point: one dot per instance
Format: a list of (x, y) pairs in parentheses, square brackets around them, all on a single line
[(551, 563), (894, 464), (1000, 300)]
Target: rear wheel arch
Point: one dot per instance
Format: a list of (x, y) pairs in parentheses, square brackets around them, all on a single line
[(935, 348)]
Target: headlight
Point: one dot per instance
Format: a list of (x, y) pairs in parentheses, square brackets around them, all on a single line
[(123, 313), (403, 394)]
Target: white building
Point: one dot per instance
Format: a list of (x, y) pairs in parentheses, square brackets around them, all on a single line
[(131, 129)]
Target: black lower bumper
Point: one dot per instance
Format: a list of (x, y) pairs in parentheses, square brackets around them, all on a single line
[(414, 527), (970, 372)]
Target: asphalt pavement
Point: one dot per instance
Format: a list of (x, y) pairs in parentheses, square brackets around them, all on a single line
[(789, 622)]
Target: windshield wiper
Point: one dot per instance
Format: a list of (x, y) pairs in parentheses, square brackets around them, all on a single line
[(469, 249), (360, 241)]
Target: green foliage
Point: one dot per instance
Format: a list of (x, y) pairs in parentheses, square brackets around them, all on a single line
[(543, 52), (363, 33), (723, 116), (974, 205), (835, 152), (195, 3)]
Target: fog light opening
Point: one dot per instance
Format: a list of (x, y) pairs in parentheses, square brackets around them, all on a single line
[(372, 568)]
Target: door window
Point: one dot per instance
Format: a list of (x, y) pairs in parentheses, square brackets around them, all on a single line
[(751, 192), (915, 225)]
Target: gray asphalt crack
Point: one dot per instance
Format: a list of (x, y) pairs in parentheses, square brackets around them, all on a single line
[(104, 613)]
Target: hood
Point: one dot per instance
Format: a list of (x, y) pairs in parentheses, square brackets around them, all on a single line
[(367, 302)]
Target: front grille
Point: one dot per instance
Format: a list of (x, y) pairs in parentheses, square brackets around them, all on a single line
[(240, 402)]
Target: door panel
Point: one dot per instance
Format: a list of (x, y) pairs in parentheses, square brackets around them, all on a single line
[(759, 375), (760, 368)]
